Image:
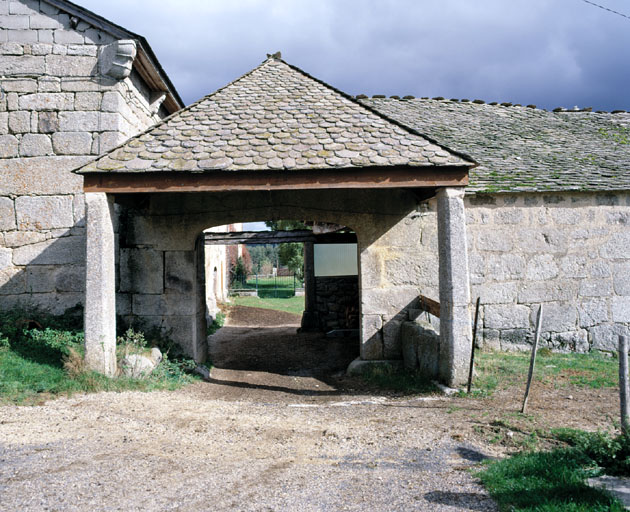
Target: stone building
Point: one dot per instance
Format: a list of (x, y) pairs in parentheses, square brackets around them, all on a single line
[(548, 217), (547, 208), (72, 86)]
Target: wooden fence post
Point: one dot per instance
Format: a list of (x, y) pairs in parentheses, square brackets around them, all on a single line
[(532, 361)]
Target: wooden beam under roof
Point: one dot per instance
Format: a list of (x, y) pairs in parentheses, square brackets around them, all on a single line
[(277, 237), (121, 182)]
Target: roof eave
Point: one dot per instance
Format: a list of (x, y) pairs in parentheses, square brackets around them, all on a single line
[(146, 62)]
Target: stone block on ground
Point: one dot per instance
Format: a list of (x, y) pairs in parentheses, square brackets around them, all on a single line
[(360, 366)]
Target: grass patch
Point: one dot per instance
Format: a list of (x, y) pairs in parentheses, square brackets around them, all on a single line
[(281, 287), (401, 381), (41, 356), (293, 305), (546, 482), (500, 370), (217, 323)]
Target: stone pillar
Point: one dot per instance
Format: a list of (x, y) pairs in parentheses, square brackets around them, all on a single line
[(309, 317), (455, 328), (100, 285)]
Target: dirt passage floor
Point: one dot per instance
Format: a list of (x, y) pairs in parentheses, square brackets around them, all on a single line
[(269, 434)]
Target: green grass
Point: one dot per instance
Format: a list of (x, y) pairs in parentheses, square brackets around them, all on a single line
[(545, 482), (293, 305), (41, 357), (499, 370), (216, 324)]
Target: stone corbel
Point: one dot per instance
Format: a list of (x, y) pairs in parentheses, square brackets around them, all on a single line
[(117, 59), (157, 98)]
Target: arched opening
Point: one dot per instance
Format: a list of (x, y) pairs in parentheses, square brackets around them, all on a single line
[(292, 297)]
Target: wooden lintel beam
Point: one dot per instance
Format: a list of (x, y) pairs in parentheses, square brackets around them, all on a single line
[(277, 237), (223, 181), (429, 305)]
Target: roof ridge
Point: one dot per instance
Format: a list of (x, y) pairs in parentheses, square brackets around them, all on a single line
[(375, 111)]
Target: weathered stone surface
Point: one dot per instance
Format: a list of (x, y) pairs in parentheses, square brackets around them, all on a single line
[(141, 271), (47, 101), (22, 65), (8, 148), (70, 279), (595, 288), (621, 309), (87, 101), (43, 212), (371, 337), (12, 281), (621, 278), (40, 175), (168, 304), (606, 337), (63, 65), (180, 271), (6, 259), (72, 143), (455, 325), (495, 293), (388, 301), (392, 346), (505, 267), (593, 312), (496, 240), (139, 366), (48, 122), (60, 251), (421, 348), (506, 316), (575, 341), (7, 214), (541, 267), (40, 279), (556, 317), (34, 144), (617, 246), (546, 291), (20, 238), (100, 291), (19, 122)]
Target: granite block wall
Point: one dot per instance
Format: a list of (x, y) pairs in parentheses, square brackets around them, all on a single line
[(570, 251), (58, 109)]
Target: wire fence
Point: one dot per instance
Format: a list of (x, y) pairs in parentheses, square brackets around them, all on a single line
[(266, 286)]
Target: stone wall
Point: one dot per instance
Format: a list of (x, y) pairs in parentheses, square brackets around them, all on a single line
[(58, 109), (570, 251), (337, 300)]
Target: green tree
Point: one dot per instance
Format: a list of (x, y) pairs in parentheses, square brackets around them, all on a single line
[(290, 254)]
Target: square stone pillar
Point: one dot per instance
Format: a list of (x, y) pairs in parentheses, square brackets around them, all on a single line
[(455, 328), (100, 285), (309, 316)]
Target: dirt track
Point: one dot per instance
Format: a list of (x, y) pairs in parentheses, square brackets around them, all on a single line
[(289, 438)]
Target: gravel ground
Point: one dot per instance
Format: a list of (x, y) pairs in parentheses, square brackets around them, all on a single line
[(248, 439), (184, 450)]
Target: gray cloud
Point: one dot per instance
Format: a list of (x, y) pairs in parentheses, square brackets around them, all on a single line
[(548, 52)]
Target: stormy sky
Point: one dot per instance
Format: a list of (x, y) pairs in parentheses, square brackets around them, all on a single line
[(547, 52)]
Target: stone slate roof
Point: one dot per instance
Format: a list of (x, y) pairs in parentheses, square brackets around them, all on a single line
[(524, 149), (275, 117)]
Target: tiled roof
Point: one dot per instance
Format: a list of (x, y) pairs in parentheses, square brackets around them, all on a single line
[(275, 117), (524, 149)]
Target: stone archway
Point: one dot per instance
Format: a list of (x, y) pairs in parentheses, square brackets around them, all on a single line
[(275, 143)]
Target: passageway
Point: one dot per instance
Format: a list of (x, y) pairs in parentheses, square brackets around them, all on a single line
[(263, 340)]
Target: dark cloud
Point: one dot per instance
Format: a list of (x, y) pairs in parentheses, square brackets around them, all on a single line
[(547, 52)]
